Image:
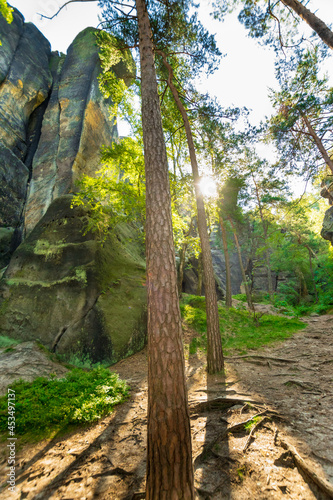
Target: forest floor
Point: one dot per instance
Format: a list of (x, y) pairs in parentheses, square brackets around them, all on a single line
[(285, 391)]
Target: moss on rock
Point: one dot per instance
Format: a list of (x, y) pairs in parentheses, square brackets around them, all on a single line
[(73, 294)]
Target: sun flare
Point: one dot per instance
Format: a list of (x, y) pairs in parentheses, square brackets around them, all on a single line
[(208, 187)]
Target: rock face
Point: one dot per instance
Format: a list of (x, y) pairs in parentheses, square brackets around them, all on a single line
[(61, 287), (25, 82), (327, 229), (75, 125)]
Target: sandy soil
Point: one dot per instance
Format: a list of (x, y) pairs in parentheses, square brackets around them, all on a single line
[(289, 449)]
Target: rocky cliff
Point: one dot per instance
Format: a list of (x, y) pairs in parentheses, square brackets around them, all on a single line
[(59, 286)]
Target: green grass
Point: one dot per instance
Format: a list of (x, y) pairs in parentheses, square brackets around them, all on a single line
[(45, 407), (7, 342), (238, 330)]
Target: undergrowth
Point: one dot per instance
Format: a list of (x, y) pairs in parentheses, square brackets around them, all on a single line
[(238, 329), (45, 406)]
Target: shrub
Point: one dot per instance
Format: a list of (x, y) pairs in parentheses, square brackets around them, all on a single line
[(45, 406)]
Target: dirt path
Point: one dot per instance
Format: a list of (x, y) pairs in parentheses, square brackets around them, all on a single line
[(290, 385)]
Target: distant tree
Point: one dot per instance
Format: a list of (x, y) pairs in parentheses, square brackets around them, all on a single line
[(303, 124)]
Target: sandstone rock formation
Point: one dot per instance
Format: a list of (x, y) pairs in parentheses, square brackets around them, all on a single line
[(327, 229), (61, 287)]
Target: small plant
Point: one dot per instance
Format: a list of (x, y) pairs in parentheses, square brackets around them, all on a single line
[(252, 423), (46, 406), (241, 471)]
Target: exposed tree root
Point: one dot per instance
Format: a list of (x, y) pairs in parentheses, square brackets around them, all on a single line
[(235, 428), (218, 403), (265, 358), (323, 484)]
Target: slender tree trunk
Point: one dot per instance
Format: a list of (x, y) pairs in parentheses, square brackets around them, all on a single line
[(267, 258), (228, 294), (214, 343), (312, 274), (312, 20), (169, 452), (200, 277), (318, 143), (182, 258), (239, 252)]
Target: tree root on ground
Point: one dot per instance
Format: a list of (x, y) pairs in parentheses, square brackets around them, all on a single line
[(265, 358), (218, 403), (322, 483)]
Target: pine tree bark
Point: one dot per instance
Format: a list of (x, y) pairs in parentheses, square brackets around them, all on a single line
[(312, 20), (215, 362), (169, 452), (228, 294)]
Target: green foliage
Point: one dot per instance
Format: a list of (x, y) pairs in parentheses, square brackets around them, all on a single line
[(46, 406), (240, 296), (269, 22), (6, 11), (238, 330), (117, 194), (304, 100), (111, 53), (7, 342)]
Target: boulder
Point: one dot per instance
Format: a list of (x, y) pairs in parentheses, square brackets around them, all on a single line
[(73, 294), (26, 361)]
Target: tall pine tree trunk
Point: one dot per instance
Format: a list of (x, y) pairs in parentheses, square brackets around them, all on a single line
[(169, 452), (214, 343), (312, 20), (228, 294)]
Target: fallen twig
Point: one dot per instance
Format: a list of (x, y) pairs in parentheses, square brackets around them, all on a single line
[(322, 483)]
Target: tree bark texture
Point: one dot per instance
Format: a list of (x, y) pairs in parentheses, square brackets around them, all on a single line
[(214, 344), (312, 20), (169, 452), (228, 294)]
